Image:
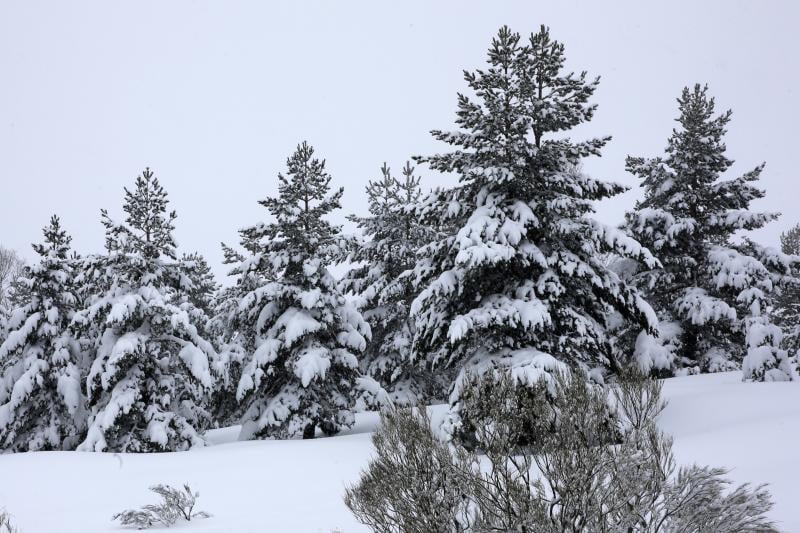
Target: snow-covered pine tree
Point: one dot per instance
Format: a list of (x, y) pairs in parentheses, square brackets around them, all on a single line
[(300, 335), (150, 364), (790, 241), (198, 288), (712, 294), (520, 282), (224, 328), (391, 236), (41, 405), (202, 287), (787, 308)]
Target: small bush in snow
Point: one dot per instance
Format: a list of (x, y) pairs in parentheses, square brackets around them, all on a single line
[(176, 505), (573, 480), (5, 523)]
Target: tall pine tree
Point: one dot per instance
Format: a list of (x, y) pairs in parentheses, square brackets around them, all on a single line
[(150, 368), (300, 335), (230, 330), (519, 283), (391, 237), (41, 405), (712, 293), (787, 308)]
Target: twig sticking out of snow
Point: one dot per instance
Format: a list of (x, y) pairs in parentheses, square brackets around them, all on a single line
[(176, 505)]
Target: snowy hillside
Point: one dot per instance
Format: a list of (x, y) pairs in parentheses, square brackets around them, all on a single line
[(297, 486)]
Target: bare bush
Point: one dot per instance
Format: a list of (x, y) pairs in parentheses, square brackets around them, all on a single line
[(638, 399), (176, 505), (6, 526), (11, 269), (575, 479), (412, 485)]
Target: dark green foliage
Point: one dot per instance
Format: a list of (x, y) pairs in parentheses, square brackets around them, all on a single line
[(149, 226), (787, 306)]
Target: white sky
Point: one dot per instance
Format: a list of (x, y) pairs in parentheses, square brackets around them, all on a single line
[(215, 96)]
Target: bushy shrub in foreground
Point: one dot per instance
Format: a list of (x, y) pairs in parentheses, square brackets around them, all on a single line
[(569, 480)]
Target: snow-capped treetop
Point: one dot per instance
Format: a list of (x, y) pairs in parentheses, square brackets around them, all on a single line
[(198, 285), (300, 229), (392, 233), (684, 192), (790, 240), (149, 226)]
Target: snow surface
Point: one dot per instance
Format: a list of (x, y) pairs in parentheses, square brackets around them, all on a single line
[(297, 486)]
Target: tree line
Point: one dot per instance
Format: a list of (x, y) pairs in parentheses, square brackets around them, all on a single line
[(139, 349)]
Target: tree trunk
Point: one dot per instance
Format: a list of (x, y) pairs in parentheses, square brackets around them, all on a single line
[(309, 431)]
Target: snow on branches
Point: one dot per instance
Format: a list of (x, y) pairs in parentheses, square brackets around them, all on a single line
[(150, 371), (712, 291), (518, 272), (41, 405), (300, 336)]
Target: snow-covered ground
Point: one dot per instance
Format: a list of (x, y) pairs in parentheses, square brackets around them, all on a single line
[(297, 486)]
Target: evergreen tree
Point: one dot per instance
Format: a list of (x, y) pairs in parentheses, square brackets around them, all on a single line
[(199, 286), (197, 289), (790, 241), (520, 282), (712, 294), (223, 328), (392, 236), (300, 335), (787, 309), (150, 367), (41, 405)]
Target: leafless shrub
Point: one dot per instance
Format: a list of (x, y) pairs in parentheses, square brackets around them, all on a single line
[(638, 399), (11, 268), (6, 526), (412, 485), (574, 480), (176, 505)]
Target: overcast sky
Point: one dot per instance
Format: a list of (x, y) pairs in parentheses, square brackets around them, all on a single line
[(215, 95)]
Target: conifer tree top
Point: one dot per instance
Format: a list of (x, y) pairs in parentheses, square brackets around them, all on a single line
[(687, 183), (508, 137), (150, 225), (790, 240), (56, 241), (303, 201)]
